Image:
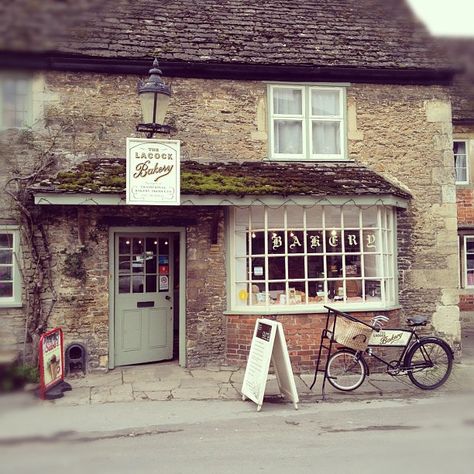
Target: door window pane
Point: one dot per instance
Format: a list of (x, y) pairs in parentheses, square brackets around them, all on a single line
[(151, 283), (125, 246), (124, 284)]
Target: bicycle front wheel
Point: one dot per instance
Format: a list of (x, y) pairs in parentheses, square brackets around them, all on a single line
[(429, 363), (346, 370)]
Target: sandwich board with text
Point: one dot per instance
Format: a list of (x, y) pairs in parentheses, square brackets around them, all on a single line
[(268, 344)]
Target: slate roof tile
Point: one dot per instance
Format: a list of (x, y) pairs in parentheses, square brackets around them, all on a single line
[(462, 90), (107, 175), (341, 33)]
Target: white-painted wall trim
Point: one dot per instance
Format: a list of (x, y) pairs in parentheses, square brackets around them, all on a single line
[(85, 199)]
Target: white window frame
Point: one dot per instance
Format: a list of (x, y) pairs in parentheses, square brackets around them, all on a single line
[(29, 99), (386, 258), (307, 119), (465, 253), (15, 300), (467, 161)]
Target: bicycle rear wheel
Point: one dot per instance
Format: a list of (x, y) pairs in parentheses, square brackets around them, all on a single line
[(429, 363), (346, 370)]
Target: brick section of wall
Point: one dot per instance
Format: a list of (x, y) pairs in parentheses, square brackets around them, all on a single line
[(466, 302), (465, 203), (302, 333)]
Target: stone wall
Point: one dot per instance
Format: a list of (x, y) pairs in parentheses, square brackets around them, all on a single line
[(82, 309), (403, 132)]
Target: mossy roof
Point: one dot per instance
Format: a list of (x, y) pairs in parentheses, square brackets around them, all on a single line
[(231, 178)]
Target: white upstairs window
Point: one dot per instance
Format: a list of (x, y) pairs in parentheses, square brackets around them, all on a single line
[(307, 122)]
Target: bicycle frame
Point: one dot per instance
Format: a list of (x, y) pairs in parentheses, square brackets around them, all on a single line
[(392, 337), (397, 337)]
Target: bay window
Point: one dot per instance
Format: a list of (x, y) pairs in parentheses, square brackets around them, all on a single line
[(296, 256), (306, 122), (10, 287)]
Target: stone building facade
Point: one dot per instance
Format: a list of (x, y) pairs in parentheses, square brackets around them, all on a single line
[(462, 95), (396, 128)]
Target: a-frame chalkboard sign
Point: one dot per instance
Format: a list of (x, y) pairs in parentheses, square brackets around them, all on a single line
[(268, 344)]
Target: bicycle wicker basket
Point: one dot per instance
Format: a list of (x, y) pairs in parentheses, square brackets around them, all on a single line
[(352, 334)]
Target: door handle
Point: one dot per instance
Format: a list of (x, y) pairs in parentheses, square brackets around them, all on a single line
[(168, 297)]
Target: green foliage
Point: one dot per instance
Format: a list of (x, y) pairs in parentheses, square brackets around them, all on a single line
[(16, 376), (74, 266)]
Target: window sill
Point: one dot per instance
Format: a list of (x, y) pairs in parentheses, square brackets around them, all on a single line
[(11, 305), (314, 309), (311, 160)]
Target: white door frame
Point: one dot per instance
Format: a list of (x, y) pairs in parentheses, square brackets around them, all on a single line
[(182, 285)]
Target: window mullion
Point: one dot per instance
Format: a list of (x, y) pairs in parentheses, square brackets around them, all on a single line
[(265, 241), (381, 254), (305, 250)]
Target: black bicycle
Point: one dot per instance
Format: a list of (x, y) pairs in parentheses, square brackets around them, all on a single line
[(426, 360)]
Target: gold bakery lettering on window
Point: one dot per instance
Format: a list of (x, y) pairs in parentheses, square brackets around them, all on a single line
[(314, 256)]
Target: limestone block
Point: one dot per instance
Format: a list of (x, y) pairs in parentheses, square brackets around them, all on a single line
[(262, 117), (446, 321), (438, 111), (104, 361), (442, 175), (259, 136), (352, 132), (448, 193), (444, 210), (432, 278), (450, 297)]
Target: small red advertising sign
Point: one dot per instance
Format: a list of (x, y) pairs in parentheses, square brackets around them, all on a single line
[(51, 360)]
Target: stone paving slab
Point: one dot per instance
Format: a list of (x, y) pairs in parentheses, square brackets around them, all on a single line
[(105, 379), (77, 396), (120, 393), (216, 376), (159, 395), (156, 386), (198, 393)]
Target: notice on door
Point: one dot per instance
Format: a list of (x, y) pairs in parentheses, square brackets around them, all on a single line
[(268, 345)]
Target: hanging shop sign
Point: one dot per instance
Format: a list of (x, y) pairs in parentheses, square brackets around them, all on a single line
[(153, 172), (268, 344)]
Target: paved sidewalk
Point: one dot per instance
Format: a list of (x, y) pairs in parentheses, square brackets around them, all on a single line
[(168, 381)]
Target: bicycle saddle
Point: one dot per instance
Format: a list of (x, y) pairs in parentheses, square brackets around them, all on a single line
[(417, 321)]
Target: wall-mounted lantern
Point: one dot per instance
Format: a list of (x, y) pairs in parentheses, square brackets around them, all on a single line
[(154, 99)]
